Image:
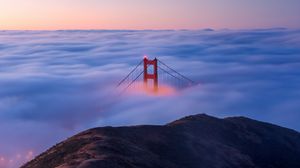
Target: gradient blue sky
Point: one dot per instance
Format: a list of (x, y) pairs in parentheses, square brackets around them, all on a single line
[(148, 14)]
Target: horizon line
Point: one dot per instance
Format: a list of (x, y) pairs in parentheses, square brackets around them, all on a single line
[(190, 29)]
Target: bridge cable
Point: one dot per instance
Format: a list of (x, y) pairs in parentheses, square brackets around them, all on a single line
[(169, 73), (129, 74), (132, 82), (186, 78)]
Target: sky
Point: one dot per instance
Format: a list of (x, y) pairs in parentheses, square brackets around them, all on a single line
[(147, 14), (58, 83)]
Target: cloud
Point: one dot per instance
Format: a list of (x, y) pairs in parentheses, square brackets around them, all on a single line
[(57, 83)]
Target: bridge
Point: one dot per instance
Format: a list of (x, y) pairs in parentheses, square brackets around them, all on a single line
[(152, 75)]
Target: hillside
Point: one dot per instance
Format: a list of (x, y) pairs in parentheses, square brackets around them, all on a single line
[(198, 141)]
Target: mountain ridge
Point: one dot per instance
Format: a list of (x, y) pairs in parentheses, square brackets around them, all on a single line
[(191, 142)]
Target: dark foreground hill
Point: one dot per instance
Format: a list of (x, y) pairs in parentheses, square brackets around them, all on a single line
[(198, 141)]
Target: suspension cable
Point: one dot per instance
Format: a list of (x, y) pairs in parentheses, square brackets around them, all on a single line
[(129, 74), (184, 77), (168, 73), (132, 82)]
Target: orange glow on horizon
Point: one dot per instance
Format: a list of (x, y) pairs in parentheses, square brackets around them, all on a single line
[(143, 14)]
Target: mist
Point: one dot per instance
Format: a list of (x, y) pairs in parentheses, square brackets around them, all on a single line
[(58, 83)]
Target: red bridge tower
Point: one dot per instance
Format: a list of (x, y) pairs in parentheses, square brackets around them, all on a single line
[(147, 76)]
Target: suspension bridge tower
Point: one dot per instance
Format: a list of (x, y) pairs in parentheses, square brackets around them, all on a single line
[(150, 77), (148, 72)]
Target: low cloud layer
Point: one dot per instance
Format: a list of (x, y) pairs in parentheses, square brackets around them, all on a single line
[(57, 83)]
